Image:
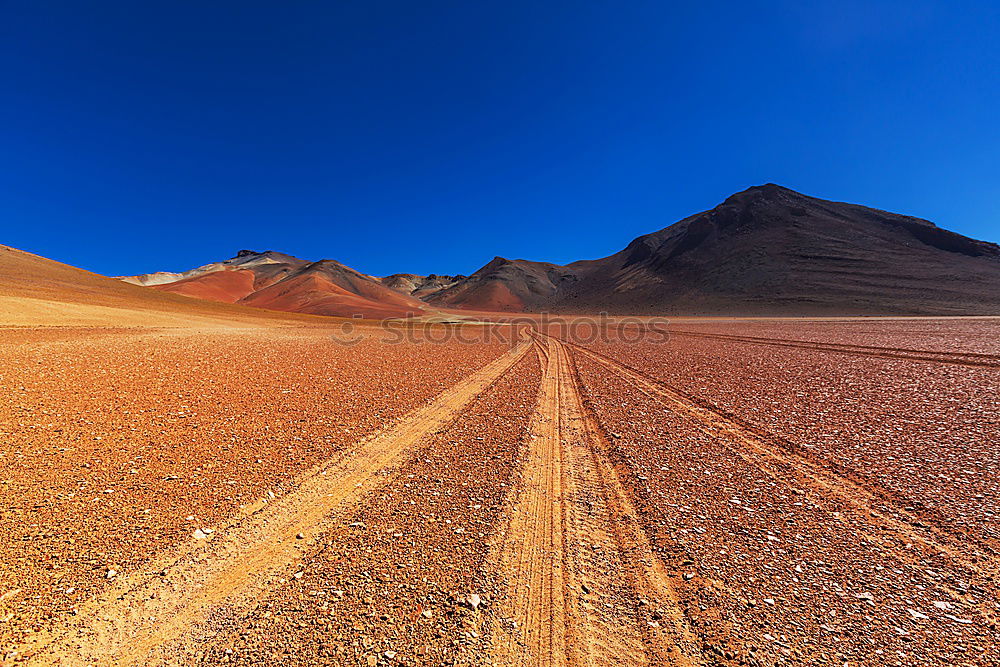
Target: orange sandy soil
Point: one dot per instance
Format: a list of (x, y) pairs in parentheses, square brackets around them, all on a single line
[(119, 443), (834, 505), (923, 431), (393, 580), (758, 493)]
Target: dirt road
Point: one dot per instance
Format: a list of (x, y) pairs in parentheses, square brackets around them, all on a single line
[(570, 524)]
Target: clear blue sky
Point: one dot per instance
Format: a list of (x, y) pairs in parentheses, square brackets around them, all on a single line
[(430, 136)]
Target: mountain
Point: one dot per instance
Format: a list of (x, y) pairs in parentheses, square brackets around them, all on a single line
[(420, 287), (765, 251), (35, 291), (508, 285), (276, 281), (244, 259)]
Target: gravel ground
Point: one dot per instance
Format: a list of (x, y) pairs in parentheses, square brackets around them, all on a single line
[(727, 498), (117, 444)]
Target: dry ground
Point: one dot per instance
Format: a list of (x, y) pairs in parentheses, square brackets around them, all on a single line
[(744, 493)]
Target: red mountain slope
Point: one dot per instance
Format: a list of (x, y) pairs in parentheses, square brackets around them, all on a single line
[(280, 282)]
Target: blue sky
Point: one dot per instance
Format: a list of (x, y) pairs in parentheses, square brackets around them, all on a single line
[(428, 137)]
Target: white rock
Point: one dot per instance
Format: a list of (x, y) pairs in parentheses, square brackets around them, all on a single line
[(963, 621)]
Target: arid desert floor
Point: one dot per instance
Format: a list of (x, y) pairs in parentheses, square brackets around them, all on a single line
[(755, 492)]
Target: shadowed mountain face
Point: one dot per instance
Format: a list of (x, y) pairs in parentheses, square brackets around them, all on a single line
[(420, 287), (508, 285), (765, 251)]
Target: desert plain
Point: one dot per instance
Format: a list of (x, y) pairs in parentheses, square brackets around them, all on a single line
[(704, 492)]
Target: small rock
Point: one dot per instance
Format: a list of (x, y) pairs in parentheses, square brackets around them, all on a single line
[(963, 621), (474, 601)]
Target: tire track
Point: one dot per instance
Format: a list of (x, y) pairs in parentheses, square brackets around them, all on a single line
[(974, 359), (767, 454), (148, 617), (670, 638), (575, 562)]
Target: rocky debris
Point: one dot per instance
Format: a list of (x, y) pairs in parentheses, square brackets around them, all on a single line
[(203, 441), (792, 573), (781, 557), (393, 582)]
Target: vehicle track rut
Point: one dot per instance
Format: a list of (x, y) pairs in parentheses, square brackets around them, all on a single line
[(974, 359), (152, 615), (774, 459), (571, 525)]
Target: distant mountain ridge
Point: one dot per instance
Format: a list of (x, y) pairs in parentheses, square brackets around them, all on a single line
[(277, 281), (765, 251), (35, 291)]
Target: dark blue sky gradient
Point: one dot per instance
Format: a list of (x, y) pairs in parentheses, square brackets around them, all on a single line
[(429, 136)]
